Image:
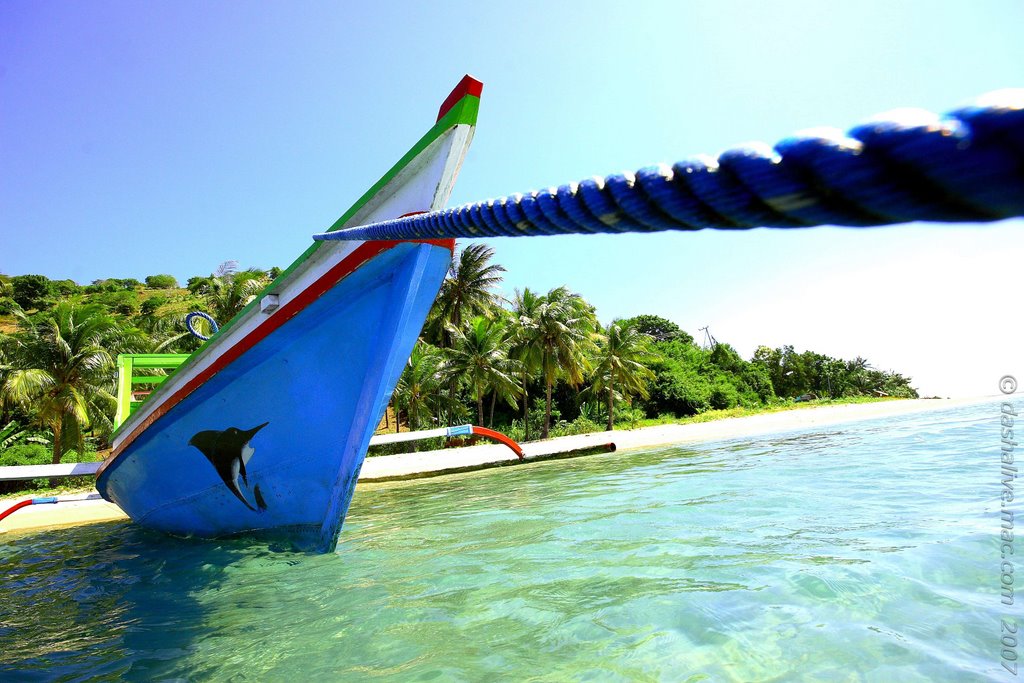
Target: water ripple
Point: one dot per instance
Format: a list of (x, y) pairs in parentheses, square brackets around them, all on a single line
[(863, 552)]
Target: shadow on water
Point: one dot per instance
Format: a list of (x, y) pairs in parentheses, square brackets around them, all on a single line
[(108, 601)]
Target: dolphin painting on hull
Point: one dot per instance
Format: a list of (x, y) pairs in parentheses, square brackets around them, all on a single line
[(229, 451)]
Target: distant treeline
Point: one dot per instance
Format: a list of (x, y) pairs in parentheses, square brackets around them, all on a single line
[(536, 365)]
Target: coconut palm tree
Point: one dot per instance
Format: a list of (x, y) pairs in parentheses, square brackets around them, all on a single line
[(508, 394), (467, 292), (166, 326), (526, 346), (562, 332), (479, 357), (7, 344), (228, 291), (620, 368), (417, 389), (62, 374)]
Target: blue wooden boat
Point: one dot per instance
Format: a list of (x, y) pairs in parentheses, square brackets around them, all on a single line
[(264, 429)]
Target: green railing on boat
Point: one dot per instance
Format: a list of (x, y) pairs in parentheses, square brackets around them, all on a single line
[(128, 396)]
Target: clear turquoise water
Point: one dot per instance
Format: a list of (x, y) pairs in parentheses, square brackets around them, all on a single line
[(861, 552)]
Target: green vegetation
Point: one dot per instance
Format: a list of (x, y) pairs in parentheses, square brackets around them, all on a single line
[(479, 358), (540, 364), (229, 290), (620, 370), (29, 291), (61, 370), (417, 394), (793, 373), (562, 334), (161, 282), (59, 342), (569, 374)]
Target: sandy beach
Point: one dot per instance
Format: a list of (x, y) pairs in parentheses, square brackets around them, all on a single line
[(382, 469)]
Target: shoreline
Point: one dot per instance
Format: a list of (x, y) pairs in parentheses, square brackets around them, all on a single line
[(385, 469)]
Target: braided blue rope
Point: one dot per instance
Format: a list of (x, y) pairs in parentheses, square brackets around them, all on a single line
[(909, 165), (214, 328)]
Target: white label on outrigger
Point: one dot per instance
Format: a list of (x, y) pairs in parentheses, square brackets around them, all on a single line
[(461, 430)]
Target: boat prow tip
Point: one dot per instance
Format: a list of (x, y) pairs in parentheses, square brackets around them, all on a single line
[(467, 86)]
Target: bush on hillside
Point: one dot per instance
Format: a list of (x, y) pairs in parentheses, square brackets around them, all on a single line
[(30, 291), (150, 305), (120, 302), (113, 284), (658, 328), (64, 287), (161, 281)]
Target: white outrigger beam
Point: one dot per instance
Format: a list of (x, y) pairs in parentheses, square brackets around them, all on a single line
[(461, 430), (68, 469), (78, 469)]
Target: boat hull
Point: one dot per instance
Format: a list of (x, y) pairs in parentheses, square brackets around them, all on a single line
[(272, 443)]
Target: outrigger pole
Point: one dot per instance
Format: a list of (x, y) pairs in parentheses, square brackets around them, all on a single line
[(908, 165), (47, 500)]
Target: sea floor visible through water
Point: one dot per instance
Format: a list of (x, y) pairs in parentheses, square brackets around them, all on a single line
[(866, 551)]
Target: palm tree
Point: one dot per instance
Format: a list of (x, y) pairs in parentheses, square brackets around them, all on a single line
[(856, 374), (417, 389), (167, 330), (507, 393), (620, 364), (466, 292), (562, 333), (525, 345), (62, 372), (479, 356), (6, 351), (228, 291)]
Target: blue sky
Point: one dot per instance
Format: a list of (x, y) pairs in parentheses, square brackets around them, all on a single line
[(142, 138)]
